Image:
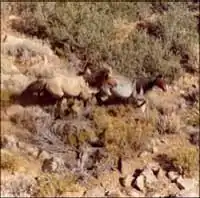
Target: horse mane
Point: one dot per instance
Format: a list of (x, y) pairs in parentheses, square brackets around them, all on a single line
[(147, 83)]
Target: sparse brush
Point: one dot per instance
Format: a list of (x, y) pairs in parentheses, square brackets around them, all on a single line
[(6, 98), (169, 124), (54, 185), (185, 160), (192, 116), (122, 135), (12, 161)]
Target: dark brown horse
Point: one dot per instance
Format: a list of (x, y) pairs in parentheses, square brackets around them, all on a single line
[(148, 83)]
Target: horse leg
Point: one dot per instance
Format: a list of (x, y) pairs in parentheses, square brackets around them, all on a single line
[(58, 108)]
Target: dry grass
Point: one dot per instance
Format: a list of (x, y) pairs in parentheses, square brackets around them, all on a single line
[(169, 124), (192, 115), (185, 160), (16, 162), (123, 135), (55, 185)]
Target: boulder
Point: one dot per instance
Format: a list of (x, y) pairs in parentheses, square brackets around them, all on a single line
[(172, 175), (95, 192), (127, 181), (140, 183), (185, 183), (149, 176)]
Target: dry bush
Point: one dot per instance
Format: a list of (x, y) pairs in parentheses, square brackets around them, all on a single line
[(185, 160), (17, 185), (192, 116), (169, 124), (6, 98), (122, 135), (13, 162), (55, 185)]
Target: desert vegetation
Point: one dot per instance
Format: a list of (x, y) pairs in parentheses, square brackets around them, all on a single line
[(77, 142)]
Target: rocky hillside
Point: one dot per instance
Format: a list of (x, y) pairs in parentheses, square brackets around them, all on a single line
[(107, 150)]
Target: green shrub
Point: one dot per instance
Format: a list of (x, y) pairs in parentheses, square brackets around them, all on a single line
[(89, 29)]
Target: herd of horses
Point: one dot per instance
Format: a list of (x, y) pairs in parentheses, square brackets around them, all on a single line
[(107, 89)]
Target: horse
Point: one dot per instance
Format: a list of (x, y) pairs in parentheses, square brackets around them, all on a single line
[(126, 91)]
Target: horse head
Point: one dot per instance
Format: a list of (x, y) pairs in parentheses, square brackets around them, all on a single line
[(160, 82)]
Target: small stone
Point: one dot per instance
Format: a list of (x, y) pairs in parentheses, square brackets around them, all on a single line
[(126, 167), (173, 189), (185, 183), (115, 193), (132, 192), (155, 149), (188, 193), (172, 175), (149, 176), (127, 181), (139, 183), (49, 165), (32, 151), (44, 155), (14, 109), (144, 154), (163, 140), (95, 192), (9, 141), (155, 167)]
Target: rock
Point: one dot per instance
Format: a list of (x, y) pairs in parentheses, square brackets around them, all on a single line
[(44, 155), (127, 181), (126, 167), (194, 138), (32, 150), (77, 191), (172, 175), (173, 189), (154, 149), (95, 192), (115, 193), (139, 183), (144, 154), (149, 176), (9, 141), (154, 166), (53, 165), (14, 109), (188, 193), (110, 180), (161, 176), (49, 165), (185, 183), (132, 192)]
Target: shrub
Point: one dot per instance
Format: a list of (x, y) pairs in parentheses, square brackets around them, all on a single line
[(6, 98), (122, 135), (13, 162), (185, 160), (168, 124), (192, 115), (89, 29), (54, 185)]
